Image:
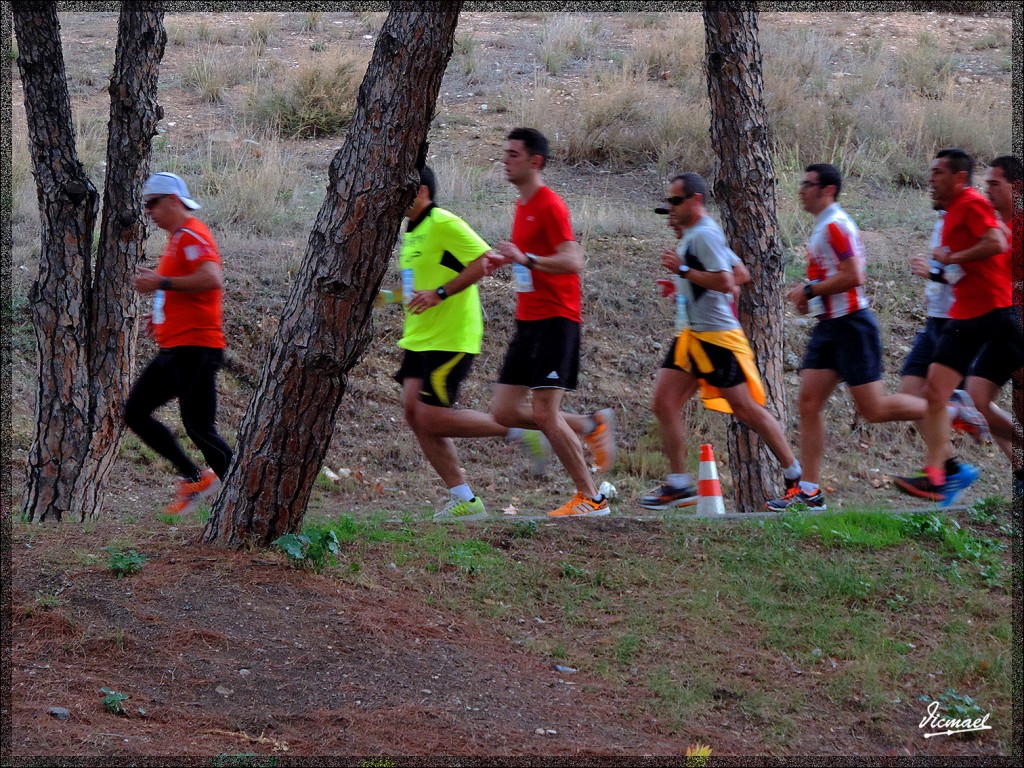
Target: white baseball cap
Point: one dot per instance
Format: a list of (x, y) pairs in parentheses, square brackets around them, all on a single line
[(169, 184)]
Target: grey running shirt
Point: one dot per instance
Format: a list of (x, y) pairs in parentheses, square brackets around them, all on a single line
[(703, 247)]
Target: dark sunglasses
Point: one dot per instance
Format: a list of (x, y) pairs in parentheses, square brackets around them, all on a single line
[(150, 203), (677, 199)]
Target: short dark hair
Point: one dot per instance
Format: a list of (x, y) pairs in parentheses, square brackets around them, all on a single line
[(1010, 165), (534, 141), (957, 160), (428, 180), (828, 175), (693, 183)]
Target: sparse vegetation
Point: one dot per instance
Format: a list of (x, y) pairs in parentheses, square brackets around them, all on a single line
[(124, 562), (310, 101)]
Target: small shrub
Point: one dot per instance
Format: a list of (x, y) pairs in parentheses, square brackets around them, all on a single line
[(312, 21), (311, 101), (114, 701), (564, 38), (314, 548), (524, 529), (124, 562), (925, 68)]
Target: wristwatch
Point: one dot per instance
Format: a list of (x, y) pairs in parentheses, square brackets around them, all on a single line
[(683, 269), (808, 291), (531, 261), (442, 293), (165, 283)]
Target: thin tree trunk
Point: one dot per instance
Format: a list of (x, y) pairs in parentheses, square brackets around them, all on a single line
[(325, 327), (134, 114), (59, 298), (745, 189), (84, 311)]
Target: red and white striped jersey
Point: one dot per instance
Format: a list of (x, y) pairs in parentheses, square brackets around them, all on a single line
[(835, 238)]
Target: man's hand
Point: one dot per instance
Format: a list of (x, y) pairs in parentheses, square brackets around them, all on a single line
[(147, 280), (421, 301), (510, 253), (670, 261), (798, 298), (919, 266), (942, 254)]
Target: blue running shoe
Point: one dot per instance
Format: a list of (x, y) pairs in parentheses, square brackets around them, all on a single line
[(957, 482)]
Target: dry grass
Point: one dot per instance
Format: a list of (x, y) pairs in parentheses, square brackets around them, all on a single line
[(566, 38), (310, 100)]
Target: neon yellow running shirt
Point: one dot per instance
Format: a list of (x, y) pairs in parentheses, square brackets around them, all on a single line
[(436, 248)]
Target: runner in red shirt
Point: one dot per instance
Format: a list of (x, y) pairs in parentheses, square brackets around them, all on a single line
[(543, 357), (1003, 186), (187, 322), (981, 331)]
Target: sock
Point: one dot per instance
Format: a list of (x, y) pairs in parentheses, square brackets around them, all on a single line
[(793, 472), (591, 424), (514, 433), (678, 481), (462, 492), (936, 476), (597, 499), (808, 488), (952, 466)]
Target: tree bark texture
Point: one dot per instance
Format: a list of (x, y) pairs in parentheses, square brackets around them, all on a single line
[(326, 325), (745, 189), (82, 345)]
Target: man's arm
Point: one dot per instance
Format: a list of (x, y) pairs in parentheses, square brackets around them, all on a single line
[(208, 277), (567, 258), (991, 243), (476, 269)]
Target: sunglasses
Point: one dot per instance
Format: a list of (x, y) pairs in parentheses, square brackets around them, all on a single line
[(676, 199), (151, 202)]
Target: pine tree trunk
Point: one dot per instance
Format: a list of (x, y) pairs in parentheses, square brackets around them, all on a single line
[(84, 336), (134, 114), (326, 325), (744, 189)]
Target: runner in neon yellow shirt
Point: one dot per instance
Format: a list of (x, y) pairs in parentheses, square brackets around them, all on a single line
[(441, 261)]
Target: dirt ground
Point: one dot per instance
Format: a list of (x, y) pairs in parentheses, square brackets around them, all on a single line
[(227, 653), (236, 654)]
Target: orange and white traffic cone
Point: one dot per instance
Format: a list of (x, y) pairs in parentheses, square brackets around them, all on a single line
[(709, 501)]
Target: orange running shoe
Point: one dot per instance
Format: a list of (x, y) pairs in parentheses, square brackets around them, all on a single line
[(968, 419), (601, 440), (191, 494), (581, 506)]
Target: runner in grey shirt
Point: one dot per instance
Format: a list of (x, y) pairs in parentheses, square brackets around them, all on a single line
[(703, 247), (710, 351)]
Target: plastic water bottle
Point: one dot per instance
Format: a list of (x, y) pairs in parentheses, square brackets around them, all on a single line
[(682, 314), (523, 277), (408, 286)]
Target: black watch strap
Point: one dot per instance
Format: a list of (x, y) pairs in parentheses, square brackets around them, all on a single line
[(442, 293), (808, 291)]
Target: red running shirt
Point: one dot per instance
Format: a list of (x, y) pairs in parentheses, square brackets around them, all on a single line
[(542, 224), (188, 319), (986, 284)]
